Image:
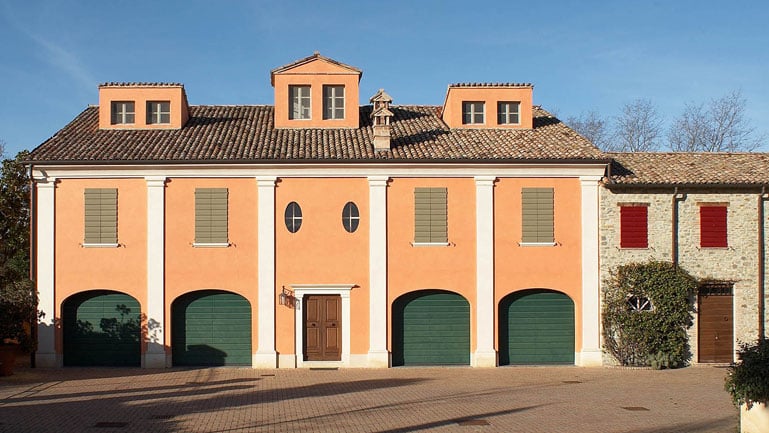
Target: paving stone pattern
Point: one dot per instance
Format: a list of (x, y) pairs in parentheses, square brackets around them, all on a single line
[(511, 399)]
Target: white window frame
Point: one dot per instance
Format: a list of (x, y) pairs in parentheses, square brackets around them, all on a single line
[(473, 109), (156, 110), (504, 112), (333, 102), (120, 114), (299, 102)]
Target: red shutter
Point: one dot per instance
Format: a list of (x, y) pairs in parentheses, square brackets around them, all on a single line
[(634, 227), (713, 226)]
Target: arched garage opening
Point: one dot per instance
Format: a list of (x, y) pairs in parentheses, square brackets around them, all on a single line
[(431, 327), (536, 327), (101, 327), (211, 328)]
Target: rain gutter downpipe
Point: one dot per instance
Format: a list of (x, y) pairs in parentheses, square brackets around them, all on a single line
[(32, 257), (761, 266), (674, 229)]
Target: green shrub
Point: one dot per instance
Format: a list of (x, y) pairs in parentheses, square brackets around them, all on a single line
[(654, 333), (748, 379)]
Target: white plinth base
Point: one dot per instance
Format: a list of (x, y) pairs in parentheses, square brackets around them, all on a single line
[(593, 358), (48, 360), (755, 420), (485, 359), (155, 360), (265, 360)]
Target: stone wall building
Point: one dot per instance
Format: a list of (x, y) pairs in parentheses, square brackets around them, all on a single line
[(702, 211)]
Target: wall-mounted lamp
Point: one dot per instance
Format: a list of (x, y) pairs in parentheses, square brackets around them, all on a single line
[(286, 298)]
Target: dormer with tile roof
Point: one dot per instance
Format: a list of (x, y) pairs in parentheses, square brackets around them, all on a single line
[(316, 92), (142, 106), (489, 105)]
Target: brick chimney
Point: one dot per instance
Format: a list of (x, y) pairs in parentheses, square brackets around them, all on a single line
[(382, 116)]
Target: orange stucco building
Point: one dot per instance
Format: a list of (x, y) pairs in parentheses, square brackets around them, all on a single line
[(317, 231)]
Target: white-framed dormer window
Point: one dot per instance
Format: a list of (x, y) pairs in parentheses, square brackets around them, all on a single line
[(333, 102), (158, 112), (299, 102), (122, 112), (508, 113), (473, 113)]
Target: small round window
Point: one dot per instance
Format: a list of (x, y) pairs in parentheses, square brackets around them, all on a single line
[(293, 217), (350, 217)]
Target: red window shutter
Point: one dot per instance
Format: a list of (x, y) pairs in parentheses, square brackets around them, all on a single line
[(634, 232), (713, 227)]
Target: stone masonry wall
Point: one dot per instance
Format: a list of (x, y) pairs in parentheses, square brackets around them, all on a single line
[(738, 262)]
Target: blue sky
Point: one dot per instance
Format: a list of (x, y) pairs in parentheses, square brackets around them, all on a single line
[(580, 55)]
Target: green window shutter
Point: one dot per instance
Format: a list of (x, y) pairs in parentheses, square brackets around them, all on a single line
[(211, 215), (100, 216), (430, 215), (537, 218)]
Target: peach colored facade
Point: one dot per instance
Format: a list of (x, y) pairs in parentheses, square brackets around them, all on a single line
[(362, 275), (230, 269), (122, 268)]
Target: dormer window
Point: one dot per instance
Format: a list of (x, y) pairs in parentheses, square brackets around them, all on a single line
[(158, 112), (472, 113), (508, 113), (333, 102), (489, 105), (142, 106), (299, 102), (123, 112)]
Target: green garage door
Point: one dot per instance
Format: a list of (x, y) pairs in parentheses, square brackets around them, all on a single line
[(431, 328), (102, 328), (211, 327), (536, 327)]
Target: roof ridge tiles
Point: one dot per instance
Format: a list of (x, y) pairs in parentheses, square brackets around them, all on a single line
[(139, 84), (491, 84)]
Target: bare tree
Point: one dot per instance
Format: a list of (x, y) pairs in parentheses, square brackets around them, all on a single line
[(719, 126), (591, 126), (2, 148), (637, 128)]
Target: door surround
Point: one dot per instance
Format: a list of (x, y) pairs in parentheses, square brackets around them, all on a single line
[(343, 291)]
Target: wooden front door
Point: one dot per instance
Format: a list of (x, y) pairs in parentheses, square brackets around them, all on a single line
[(715, 333), (322, 328)]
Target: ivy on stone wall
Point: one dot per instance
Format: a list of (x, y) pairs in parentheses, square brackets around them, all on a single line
[(647, 309)]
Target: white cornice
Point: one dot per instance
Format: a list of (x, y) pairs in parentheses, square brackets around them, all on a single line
[(324, 170)]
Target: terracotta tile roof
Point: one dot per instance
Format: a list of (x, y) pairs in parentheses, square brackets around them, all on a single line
[(246, 133), (139, 84), (491, 85), (673, 168)]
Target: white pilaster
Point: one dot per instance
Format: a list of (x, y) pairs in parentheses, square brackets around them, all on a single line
[(485, 355), (156, 355), (46, 355), (378, 356), (266, 356), (591, 308)]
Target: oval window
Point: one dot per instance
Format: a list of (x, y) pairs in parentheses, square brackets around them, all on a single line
[(350, 217), (293, 217)]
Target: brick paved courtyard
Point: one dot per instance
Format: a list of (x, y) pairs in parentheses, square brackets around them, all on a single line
[(515, 399)]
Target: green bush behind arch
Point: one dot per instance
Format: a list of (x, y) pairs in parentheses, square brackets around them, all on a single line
[(655, 338)]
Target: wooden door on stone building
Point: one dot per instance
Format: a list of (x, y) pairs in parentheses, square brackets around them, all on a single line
[(715, 330)]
